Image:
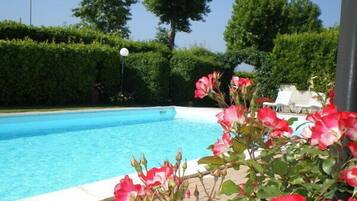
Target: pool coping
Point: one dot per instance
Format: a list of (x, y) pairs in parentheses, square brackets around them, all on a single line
[(103, 189)]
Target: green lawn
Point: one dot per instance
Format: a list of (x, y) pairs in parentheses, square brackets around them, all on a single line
[(53, 108)]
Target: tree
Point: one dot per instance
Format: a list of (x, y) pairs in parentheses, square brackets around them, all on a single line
[(109, 16), (177, 14), (162, 35), (256, 23), (303, 16)]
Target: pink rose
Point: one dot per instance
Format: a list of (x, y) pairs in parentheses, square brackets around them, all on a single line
[(351, 199), (126, 190), (280, 127), (206, 84), (350, 176), (230, 115), (157, 176), (267, 116), (327, 127), (291, 197), (349, 123), (239, 82), (203, 87), (222, 145)]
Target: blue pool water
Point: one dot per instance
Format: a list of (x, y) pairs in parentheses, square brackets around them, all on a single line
[(44, 153)]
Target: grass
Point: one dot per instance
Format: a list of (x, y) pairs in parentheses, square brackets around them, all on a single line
[(55, 108)]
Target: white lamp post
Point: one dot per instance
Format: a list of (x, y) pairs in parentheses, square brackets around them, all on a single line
[(124, 52)]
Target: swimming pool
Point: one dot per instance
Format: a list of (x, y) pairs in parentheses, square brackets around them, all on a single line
[(47, 152)]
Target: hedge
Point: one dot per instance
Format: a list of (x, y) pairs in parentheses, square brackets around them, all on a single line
[(299, 57), (47, 74), (147, 77), (13, 30), (262, 63), (186, 69)]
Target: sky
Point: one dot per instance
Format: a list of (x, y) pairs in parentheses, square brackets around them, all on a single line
[(143, 25)]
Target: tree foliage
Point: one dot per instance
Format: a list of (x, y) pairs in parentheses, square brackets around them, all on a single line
[(178, 14), (110, 16), (256, 23), (162, 35), (303, 16)]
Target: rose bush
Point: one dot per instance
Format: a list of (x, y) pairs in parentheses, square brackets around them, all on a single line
[(318, 164), (164, 183)]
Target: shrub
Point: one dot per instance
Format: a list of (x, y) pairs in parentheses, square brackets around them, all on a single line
[(147, 77), (186, 68), (12, 30), (299, 57), (47, 73)]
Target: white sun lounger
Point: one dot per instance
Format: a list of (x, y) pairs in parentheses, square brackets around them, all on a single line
[(283, 100), (313, 103)]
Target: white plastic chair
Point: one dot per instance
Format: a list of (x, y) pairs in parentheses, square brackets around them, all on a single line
[(283, 100)]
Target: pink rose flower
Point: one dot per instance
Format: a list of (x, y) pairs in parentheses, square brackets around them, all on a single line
[(327, 128), (203, 87), (291, 197), (350, 176), (230, 115), (267, 116), (280, 127), (239, 82), (351, 199), (326, 131), (157, 176), (126, 190), (222, 145), (206, 84), (349, 123)]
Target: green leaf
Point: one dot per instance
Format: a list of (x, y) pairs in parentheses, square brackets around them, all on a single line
[(292, 120), (238, 147), (255, 165), (248, 187), (215, 160), (268, 192), (327, 165), (229, 188), (280, 167)]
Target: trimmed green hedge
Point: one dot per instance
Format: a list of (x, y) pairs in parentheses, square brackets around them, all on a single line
[(50, 74), (47, 74), (299, 57), (186, 69), (13, 30), (147, 77)]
